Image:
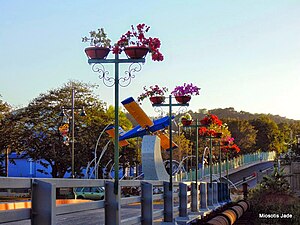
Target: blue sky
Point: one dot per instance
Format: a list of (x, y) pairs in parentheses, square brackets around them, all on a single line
[(243, 54)]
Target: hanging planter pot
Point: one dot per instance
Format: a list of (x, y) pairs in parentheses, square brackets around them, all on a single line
[(95, 52), (186, 122), (136, 52), (183, 99), (157, 99)]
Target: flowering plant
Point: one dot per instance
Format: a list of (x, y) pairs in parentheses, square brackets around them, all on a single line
[(235, 148), (186, 89), (136, 37), (203, 131), (151, 92), (231, 148), (211, 119), (98, 38)]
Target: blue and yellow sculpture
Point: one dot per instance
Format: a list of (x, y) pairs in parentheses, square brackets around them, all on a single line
[(153, 140)]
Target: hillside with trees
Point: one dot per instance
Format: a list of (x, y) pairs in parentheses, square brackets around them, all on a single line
[(252, 132)]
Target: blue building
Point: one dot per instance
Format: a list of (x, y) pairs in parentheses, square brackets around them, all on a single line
[(23, 166)]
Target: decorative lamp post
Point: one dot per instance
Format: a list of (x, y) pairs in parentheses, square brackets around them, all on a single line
[(220, 159), (170, 105), (72, 108), (196, 125), (116, 81), (136, 53)]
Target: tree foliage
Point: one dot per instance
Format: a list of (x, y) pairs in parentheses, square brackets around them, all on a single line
[(5, 108), (244, 134), (37, 128), (267, 138)]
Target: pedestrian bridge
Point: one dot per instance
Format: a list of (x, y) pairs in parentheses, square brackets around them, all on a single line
[(182, 205)]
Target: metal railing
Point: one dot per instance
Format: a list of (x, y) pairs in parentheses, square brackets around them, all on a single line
[(234, 163), (45, 211)]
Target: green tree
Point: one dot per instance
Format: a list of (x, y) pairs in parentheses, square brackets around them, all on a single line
[(243, 133), (267, 138), (39, 136), (5, 109)]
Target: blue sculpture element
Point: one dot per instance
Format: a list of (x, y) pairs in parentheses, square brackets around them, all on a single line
[(138, 131)]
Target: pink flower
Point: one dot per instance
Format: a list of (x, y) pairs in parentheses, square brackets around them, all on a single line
[(186, 89), (136, 37), (152, 91)]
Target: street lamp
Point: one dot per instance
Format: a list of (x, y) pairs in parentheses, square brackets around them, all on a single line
[(63, 114)]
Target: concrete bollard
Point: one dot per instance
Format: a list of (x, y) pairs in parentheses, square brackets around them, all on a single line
[(203, 196), (228, 199), (210, 203), (219, 193), (215, 195), (195, 198)]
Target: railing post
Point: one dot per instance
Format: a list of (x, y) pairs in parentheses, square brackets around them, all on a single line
[(203, 196), (168, 203), (195, 197), (112, 204), (147, 203), (183, 200), (43, 203)]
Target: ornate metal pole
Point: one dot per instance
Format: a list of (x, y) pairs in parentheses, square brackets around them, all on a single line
[(116, 141), (116, 81), (210, 160), (170, 104), (220, 160), (197, 161), (170, 139), (196, 155), (227, 166), (73, 128)]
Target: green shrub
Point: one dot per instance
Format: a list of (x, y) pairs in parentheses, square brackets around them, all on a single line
[(273, 198)]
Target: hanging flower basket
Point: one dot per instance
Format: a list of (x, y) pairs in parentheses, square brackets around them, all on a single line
[(157, 99), (96, 52), (183, 99), (99, 44), (136, 52), (186, 122)]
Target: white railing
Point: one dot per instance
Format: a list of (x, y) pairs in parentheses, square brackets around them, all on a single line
[(45, 211)]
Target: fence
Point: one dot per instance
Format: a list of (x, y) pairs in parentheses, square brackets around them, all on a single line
[(45, 211), (234, 163)]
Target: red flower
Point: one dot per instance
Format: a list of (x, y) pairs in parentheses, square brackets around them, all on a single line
[(235, 148), (203, 131), (211, 119), (137, 37)]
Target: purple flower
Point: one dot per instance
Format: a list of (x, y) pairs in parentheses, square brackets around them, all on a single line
[(186, 89)]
